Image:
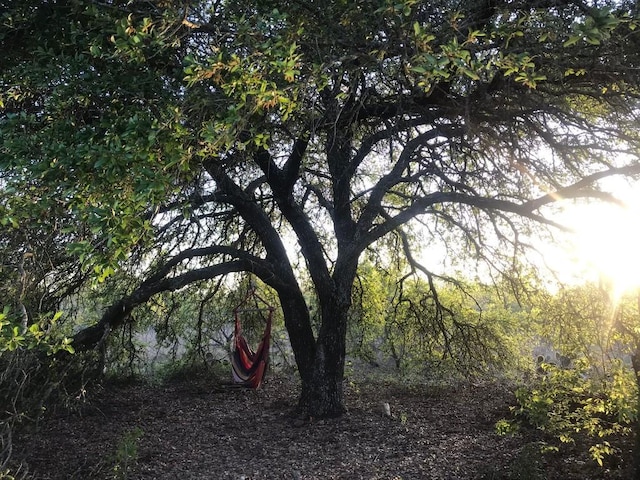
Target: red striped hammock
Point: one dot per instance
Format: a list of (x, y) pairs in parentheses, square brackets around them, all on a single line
[(248, 366)]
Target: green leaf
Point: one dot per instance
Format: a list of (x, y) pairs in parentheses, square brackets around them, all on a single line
[(572, 40), (471, 74)]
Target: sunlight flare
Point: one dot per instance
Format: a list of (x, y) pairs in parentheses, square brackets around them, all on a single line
[(607, 240)]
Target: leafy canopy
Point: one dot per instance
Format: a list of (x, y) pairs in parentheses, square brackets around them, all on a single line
[(185, 140)]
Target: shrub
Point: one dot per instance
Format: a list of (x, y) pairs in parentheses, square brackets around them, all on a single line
[(30, 372), (565, 403)]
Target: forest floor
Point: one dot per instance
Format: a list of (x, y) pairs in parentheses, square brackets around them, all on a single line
[(198, 429)]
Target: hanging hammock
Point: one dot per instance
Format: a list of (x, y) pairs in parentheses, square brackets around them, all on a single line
[(248, 366)]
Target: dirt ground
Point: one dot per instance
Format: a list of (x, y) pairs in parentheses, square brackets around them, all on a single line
[(202, 430)]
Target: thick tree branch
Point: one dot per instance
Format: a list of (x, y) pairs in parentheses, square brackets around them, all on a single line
[(423, 204), (282, 187), (580, 188), (378, 192), (117, 313), (166, 267)]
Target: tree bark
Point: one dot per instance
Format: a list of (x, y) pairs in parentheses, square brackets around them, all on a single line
[(322, 392), (298, 324), (322, 389)]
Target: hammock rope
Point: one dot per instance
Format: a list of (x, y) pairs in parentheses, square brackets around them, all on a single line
[(247, 365)]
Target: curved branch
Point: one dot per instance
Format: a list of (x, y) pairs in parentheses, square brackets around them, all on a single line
[(117, 313), (580, 190), (422, 204), (166, 268), (374, 205)]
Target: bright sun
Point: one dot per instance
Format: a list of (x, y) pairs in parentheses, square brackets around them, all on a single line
[(607, 240)]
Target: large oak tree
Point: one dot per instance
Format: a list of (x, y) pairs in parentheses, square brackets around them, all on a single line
[(192, 139)]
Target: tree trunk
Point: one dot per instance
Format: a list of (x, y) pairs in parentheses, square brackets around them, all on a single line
[(298, 325), (322, 389)]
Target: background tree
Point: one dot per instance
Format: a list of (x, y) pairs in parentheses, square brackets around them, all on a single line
[(194, 140)]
